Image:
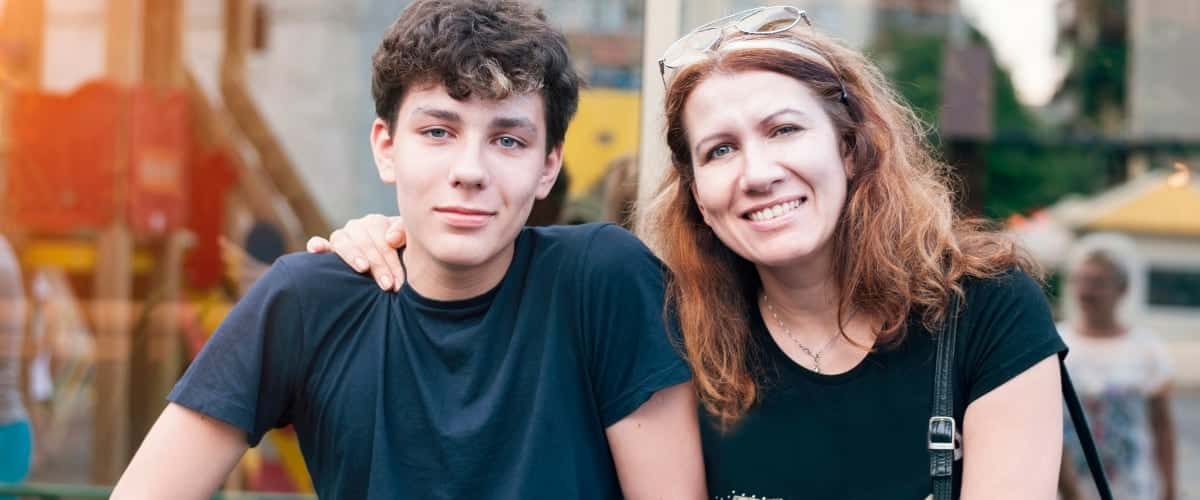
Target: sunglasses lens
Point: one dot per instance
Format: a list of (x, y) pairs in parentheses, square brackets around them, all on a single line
[(721, 22), (770, 20), (690, 48)]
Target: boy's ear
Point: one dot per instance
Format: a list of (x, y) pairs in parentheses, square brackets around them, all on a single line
[(550, 170), (382, 146)]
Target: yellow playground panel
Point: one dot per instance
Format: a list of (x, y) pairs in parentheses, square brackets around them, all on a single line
[(605, 127)]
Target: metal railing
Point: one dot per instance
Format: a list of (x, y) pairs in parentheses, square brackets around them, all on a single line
[(53, 491)]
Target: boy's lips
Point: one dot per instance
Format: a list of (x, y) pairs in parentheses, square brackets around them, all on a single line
[(456, 209), (465, 217)]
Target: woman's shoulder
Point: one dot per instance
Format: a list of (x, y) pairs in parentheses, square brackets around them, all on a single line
[(1011, 285), (1150, 342), (1006, 303), (1004, 294), (1006, 328)]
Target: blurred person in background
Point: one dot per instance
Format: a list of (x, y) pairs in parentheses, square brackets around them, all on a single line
[(40, 377), (620, 190), (16, 434), (1122, 372)]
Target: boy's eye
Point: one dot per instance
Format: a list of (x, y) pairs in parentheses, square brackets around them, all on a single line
[(437, 133), (508, 142)]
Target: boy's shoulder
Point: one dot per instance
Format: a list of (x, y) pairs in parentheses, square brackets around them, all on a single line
[(320, 277), (303, 265), (600, 243)]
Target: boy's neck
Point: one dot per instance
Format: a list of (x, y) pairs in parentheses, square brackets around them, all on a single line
[(437, 280)]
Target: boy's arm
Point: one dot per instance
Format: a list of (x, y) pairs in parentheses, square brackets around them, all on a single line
[(186, 455), (241, 385), (639, 380), (657, 447), (1163, 428)]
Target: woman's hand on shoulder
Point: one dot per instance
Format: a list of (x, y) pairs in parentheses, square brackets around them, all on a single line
[(368, 244)]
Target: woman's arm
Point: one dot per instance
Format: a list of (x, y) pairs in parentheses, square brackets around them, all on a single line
[(1068, 486), (1163, 429), (1012, 437)]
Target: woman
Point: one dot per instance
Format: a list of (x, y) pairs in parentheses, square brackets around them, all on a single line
[(1122, 372), (814, 249)]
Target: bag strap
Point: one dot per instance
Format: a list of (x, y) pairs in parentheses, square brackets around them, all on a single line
[(1079, 420), (942, 426)]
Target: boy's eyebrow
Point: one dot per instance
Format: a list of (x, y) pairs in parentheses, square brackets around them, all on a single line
[(514, 122), (503, 122), (440, 114)]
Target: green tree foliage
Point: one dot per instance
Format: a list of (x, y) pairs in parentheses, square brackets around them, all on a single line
[(1029, 164)]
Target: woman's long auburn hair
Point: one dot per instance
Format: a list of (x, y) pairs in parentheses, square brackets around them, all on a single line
[(899, 248)]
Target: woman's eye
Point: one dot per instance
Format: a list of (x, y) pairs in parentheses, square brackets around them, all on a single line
[(785, 129), (720, 151)]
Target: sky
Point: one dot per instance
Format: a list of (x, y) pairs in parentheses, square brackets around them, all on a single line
[(1022, 35)]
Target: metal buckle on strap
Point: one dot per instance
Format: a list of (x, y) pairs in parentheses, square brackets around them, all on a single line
[(941, 433)]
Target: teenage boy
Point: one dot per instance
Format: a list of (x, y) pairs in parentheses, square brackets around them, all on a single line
[(513, 363)]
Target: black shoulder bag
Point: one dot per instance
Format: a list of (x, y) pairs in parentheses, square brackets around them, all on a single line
[(942, 440)]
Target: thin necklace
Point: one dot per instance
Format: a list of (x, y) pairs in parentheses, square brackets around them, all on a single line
[(816, 356)]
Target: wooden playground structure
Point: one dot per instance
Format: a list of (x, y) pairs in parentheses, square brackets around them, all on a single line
[(127, 184)]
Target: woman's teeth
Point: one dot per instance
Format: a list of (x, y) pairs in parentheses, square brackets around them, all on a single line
[(774, 211)]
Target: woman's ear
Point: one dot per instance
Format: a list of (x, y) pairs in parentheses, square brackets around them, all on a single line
[(700, 207)]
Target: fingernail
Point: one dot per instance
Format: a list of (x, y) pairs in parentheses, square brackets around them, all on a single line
[(385, 282), (360, 264)]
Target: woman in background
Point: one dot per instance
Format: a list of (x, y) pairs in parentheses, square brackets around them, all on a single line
[(1122, 372)]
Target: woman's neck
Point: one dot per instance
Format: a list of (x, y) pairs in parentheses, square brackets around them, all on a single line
[(1104, 326), (805, 287), (805, 297), (801, 306), (800, 295)]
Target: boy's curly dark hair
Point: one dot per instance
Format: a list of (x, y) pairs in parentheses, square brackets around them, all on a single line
[(488, 48)]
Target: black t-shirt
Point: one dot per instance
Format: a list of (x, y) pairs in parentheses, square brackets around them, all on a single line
[(862, 434), (397, 396)]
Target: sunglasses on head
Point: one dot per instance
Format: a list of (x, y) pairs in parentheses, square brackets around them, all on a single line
[(703, 41)]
